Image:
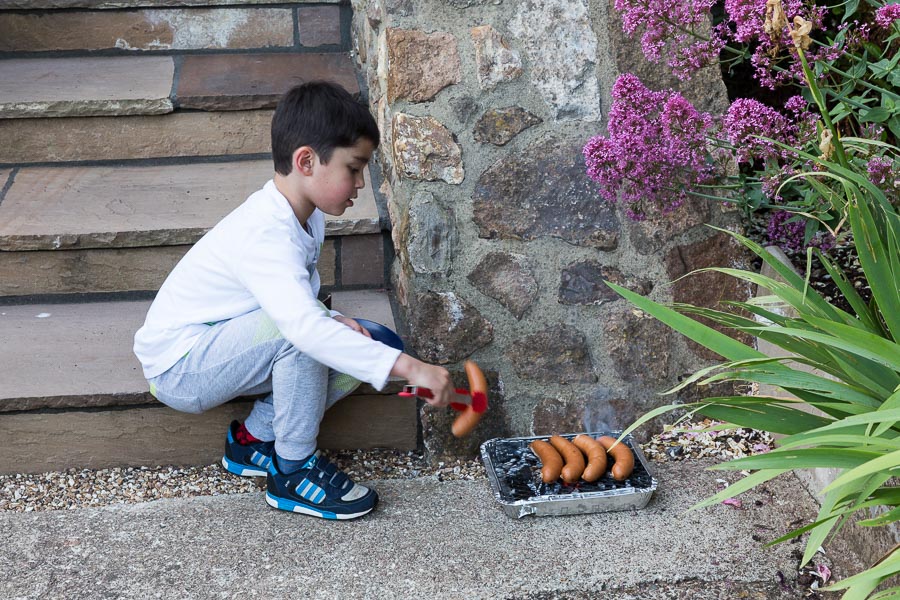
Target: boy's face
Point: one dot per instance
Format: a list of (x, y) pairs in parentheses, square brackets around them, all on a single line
[(334, 184)]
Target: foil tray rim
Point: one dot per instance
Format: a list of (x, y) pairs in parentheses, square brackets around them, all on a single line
[(574, 502)]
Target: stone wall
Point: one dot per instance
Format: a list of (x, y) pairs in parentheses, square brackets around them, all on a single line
[(502, 243)]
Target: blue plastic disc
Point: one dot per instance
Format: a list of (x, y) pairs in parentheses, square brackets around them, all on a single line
[(383, 334)]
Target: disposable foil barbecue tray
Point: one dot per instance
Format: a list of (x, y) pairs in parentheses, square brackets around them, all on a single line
[(514, 473)]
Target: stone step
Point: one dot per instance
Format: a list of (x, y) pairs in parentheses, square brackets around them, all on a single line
[(283, 27), (67, 230), (119, 4), (173, 135), (142, 85), (73, 395)]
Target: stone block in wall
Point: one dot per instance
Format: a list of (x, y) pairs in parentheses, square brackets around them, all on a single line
[(437, 423), (319, 25), (657, 229), (495, 61), (557, 354), (431, 237), (584, 282), (426, 150), (508, 279), (709, 289), (552, 416), (638, 345), (601, 408), (420, 64), (444, 328), (544, 191), (499, 126), (559, 41)]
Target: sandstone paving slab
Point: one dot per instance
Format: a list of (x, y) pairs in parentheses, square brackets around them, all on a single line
[(80, 354), (85, 86), (112, 4), (248, 81), (51, 208), (88, 271), (147, 30), (426, 539), (135, 137)]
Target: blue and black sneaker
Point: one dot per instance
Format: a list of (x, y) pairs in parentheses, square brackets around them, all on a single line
[(318, 489), (251, 460)]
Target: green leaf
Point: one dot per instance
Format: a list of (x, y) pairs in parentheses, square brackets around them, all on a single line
[(891, 403), (850, 295), (806, 458), (876, 574), (849, 10), (888, 594), (887, 462), (768, 417), (700, 333), (877, 256), (851, 339), (838, 439), (875, 115), (884, 519)]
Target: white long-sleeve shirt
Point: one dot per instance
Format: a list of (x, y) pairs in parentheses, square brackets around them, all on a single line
[(259, 256)]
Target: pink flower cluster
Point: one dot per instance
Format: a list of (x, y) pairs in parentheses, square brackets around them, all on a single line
[(886, 15), (656, 149), (682, 23), (790, 234), (747, 120)]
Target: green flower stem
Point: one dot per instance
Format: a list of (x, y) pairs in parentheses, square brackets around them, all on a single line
[(823, 109), (862, 82)]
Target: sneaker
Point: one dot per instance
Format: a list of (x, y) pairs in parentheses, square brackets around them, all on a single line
[(318, 489), (251, 460)]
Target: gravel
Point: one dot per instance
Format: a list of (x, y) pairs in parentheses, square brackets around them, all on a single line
[(78, 488)]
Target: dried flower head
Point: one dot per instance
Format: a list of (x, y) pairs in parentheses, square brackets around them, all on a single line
[(800, 33), (825, 145), (776, 20)]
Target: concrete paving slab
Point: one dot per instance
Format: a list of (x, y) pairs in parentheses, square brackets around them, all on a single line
[(427, 539), (52, 208), (85, 86), (247, 81), (80, 354)]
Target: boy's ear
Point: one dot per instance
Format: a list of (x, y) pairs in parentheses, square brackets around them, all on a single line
[(303, 159)]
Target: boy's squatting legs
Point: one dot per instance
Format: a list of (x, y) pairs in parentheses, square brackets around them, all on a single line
[(245, 356)]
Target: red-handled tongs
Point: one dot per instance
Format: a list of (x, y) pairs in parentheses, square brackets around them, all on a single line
[(462, 398)]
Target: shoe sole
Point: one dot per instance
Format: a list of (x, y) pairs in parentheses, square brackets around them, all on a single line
[(242, 470), (291, 506)]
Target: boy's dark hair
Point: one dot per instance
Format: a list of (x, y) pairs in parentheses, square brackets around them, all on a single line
[(321, 115)]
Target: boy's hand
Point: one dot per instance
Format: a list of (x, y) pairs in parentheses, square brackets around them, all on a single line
[(352, 325), (435, 378)]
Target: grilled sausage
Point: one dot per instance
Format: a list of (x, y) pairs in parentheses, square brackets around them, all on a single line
[(572, 456), (478, 388), (551, 461), (623, 458), (595, 454)]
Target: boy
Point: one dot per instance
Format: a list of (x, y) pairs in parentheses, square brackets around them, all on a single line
[(238, 315)]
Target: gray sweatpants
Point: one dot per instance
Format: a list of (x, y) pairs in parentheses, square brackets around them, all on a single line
[(246, 356)]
